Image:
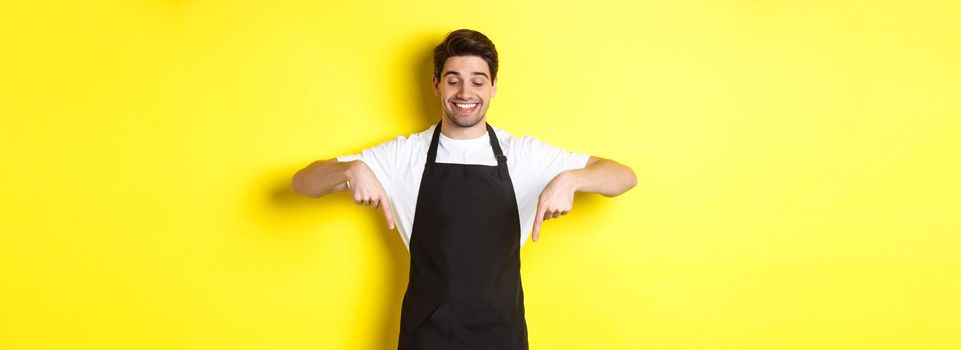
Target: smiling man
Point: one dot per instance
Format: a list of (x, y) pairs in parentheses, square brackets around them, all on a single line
[(466, 196)]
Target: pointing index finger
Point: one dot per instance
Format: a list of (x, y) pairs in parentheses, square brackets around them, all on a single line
[(538, 220), (387, 214)]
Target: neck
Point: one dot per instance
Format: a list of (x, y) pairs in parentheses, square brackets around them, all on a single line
[(453, 131)]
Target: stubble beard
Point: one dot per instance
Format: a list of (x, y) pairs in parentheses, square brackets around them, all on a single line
[(465, 122)]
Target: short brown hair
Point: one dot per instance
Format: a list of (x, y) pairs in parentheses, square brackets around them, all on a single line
[(465, 42)]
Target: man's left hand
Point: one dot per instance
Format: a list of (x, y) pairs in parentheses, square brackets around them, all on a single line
[(555, 200)]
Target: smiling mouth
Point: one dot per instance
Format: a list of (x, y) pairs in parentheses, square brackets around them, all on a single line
[(466, 107)]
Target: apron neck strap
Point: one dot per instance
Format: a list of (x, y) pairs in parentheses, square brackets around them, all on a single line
[(498, 153), (495, 146), (432, 150)]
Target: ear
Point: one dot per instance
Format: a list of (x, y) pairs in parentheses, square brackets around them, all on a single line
[(494, 88), (434, 82)]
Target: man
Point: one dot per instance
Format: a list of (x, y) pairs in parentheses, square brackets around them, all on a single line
[(465, 194)]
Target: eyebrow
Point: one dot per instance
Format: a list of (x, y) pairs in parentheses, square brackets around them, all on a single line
[(472, 73)]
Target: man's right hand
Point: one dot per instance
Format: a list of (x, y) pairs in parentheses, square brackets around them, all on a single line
[(326, 176), (366, 190)]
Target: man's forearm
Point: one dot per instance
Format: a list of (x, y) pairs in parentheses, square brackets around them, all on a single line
[(322, 177), (603, 176)]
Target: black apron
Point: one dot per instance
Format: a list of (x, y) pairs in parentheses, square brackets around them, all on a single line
[(464, 290)]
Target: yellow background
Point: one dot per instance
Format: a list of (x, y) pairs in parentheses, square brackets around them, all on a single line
[(797, 162)]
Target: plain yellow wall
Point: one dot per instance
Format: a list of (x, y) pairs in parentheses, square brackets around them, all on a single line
[(798, 166)]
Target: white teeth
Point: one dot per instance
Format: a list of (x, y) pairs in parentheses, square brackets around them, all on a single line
[(466, 106)]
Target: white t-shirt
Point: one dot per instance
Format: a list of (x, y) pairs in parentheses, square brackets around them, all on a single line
[(399, 164)]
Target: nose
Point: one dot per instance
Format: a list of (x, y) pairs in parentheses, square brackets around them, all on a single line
[(462, 92)]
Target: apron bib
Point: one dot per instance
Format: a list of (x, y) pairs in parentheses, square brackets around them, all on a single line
[(464, 290)]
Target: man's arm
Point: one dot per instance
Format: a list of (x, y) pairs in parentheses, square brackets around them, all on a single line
[(327, 176), (323, 177), (603, 176)]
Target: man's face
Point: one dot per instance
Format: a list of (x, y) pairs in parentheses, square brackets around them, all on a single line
[(465, 89)]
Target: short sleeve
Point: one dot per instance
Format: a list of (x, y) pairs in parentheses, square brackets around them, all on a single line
[(548, 160), (381, 159)]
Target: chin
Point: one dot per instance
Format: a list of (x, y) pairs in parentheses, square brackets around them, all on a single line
[(464, 122)]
